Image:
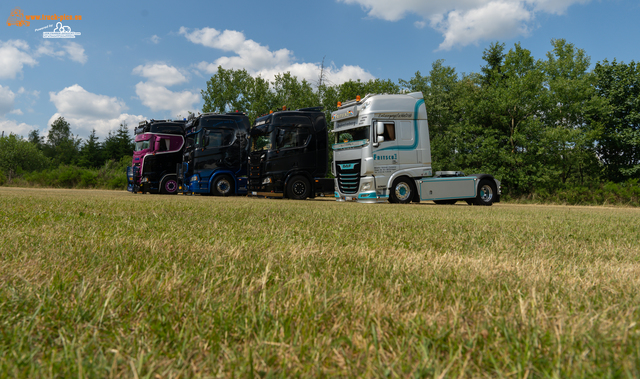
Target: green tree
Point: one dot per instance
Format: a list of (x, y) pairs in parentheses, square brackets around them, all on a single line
[(494, 56), (34, 138), (619, 142), (570, 113), (293, 94), (91, 154), (227, 91), (62, 146), (500, 130), (18, 155), (119, 144)]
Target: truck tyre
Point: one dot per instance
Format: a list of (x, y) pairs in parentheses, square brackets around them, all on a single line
[(169, 186), (445, 202), (486, 193), (222, 186), (298, 188), (402, 191)]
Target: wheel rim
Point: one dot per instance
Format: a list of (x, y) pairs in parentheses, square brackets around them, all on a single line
[(223, 186), (486, 193), (403, 191), (299, 188), (171, 186)]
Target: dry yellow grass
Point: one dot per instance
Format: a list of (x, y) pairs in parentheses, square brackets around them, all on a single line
[(110, 284)]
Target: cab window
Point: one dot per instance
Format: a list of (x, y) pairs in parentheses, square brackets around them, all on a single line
[(292, 137), (389, 131)]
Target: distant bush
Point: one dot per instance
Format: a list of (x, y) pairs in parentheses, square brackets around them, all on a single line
[(625, 193), (113, 175)]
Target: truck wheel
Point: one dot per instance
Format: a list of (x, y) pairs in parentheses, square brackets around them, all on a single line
[(169, 186), (486, 193), (402, 191), (222, 186), (445, 202), (298, 188)]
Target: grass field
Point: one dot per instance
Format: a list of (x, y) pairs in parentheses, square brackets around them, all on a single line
[(110, 284)]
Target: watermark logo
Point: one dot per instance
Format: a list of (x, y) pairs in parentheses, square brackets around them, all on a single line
[(17, 18), (61, 31)]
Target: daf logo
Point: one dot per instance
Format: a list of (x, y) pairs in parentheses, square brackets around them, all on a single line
[(347, 166)]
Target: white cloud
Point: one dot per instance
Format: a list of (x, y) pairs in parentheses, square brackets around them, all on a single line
[(464, 22), (155, 39), (161, 74), (85, 111), (258, 60), (7, 98), (159, 98), (13, 56), (154, 92), (496, 20), (11, 126), (76, 52), (72, 50)]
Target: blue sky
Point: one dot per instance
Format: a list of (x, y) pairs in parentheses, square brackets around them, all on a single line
[(138, 60)]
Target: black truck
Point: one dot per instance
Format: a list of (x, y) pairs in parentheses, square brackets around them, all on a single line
[(158, 148), (214, 161), (290, 154)]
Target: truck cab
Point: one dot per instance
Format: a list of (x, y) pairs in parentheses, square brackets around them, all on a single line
[(382, 152), (158, 148), (214, 161), (289, 155)]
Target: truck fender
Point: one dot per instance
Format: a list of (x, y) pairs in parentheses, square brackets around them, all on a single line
[(397, 174), (485, 176)]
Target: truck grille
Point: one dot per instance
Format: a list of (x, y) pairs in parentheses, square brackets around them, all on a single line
[(348, 176)]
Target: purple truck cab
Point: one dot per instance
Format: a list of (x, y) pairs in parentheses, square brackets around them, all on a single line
[(158, 150)]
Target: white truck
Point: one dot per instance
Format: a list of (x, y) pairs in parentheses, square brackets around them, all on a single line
[(382, 152)]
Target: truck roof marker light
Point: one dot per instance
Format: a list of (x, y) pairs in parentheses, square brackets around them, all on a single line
[(339, 104), (271, 111), (284, 107), (358, 98)]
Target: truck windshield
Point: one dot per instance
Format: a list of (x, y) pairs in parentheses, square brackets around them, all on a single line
[(142, 145), (358, 134)]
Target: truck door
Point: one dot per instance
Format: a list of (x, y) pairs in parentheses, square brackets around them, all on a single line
[(292, 150), (213, 144), (385, 155)]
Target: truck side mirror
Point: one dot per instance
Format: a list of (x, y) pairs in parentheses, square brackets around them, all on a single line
[(378, 140), (379, 128)]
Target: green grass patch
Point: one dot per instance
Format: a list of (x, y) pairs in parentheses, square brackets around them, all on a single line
[(111, 284)]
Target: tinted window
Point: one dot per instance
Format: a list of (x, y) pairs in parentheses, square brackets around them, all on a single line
[(292, 137)]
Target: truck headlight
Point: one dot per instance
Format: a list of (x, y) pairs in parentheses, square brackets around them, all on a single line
[(365, 187), (267, 180), (194, 178), (144, 180)]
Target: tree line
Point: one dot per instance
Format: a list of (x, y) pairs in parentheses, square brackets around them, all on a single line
[(539, 125), (536, 124)]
